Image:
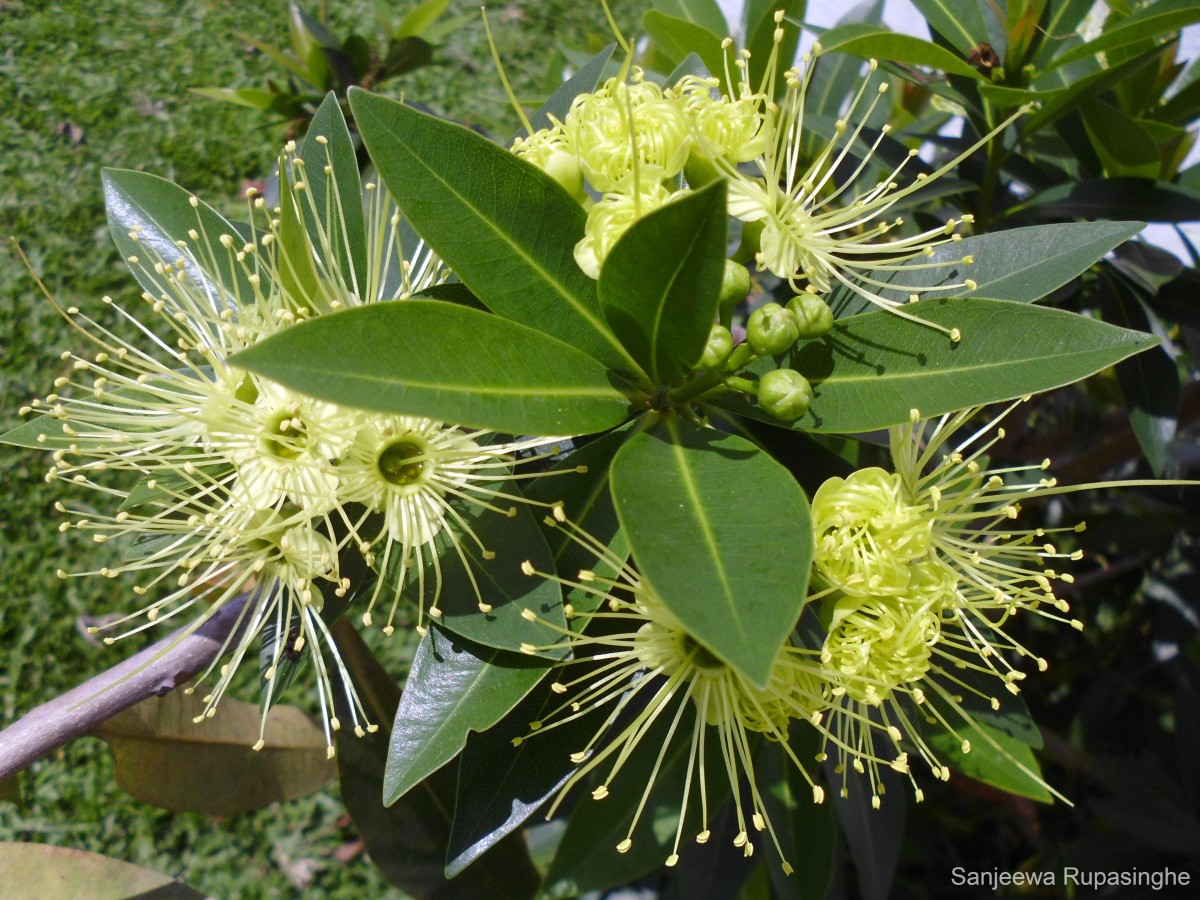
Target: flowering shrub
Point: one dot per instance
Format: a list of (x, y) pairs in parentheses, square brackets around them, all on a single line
[(497, 397)]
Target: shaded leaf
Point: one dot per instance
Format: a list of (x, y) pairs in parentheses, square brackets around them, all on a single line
[(59, 873), (165, 759), (583, 81), (408, 840), (758, 29), (1114, 198), (873, 836), (1149, 381)]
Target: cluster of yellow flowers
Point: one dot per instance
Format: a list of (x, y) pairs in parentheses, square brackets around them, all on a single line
[(630, 146), (916, 574)]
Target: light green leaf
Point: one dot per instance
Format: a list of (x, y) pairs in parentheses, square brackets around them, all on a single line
[(253, 98), (1152, 21), (676, 38), (505, 228), (446, 362), (41, 433), (659, 284), (336, 197), (994, 758), (420, 17), (705, 13), (162, 213), (297, 271), (165, 759), (454, 687), (721, 533), (1021, 264), (874, 42), (871, 370)]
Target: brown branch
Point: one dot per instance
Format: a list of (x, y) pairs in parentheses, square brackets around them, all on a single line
[(156, 671)]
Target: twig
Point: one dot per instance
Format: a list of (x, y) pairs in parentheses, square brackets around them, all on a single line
[(154, 672)]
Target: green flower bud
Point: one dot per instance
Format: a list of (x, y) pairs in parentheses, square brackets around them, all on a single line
[(717, 350), (771, 329), (785, 394), (734, 286), (813, 315), (699, 171)]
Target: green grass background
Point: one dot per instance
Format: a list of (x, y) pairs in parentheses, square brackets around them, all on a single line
[(85, 85)]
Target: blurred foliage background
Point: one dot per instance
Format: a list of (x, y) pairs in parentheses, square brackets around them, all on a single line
[(87, 85)]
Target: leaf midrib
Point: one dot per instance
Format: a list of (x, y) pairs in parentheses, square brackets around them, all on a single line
[(592, 319)]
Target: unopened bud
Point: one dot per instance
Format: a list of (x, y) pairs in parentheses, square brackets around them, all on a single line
[(771, 330), (785, 394), (812, 314), (717, 350)]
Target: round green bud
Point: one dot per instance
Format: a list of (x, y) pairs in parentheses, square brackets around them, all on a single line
[(813, 315), (735, 285), (771, 329), (785, 394), (717, 350)]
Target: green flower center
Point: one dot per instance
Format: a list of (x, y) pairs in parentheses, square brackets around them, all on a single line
[(285, 436), (404, 462)]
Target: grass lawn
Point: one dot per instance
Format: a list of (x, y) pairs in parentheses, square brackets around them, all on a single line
[(85, 85)]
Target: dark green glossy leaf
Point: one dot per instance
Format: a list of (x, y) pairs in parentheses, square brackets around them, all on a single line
[(587, 858), (587, 502), (677, 38), (704, 13), (337, 196), (994, 758), (758, 28), (807, 830), (506, 228), (1022, 264), (1149, 381), (717, 868), (873, 836), (500, 786), (721, 532), (583, 81), (874, 42), (469, 578), (454, 687), (659, 284), (872, 370), (454, 364), (961, 22), (162, 213), (408, 839)]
